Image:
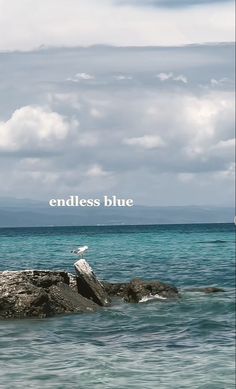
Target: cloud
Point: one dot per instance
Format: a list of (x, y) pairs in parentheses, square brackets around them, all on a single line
[(164, 76), (223, 148), (180, 77), (84, 76), (33, 128), (170, 76), (81, 77), (219, 82), (96, 113), (105, 137), (96, 171), (147, 142)]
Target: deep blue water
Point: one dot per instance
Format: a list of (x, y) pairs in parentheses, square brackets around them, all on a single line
[(184, 344)]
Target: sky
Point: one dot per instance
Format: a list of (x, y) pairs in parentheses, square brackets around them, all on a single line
[(28, 24), (126, 97)]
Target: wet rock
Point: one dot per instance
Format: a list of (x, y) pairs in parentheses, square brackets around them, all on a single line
[(207, 290), (115, 289), (88, 285), (138, 290), (39, 294)]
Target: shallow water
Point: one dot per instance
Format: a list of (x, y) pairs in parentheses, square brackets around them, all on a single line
[(157, 344)]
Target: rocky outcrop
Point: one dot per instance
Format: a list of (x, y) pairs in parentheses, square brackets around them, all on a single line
[(88, 285), (42, 293), (39, 294), (138, 290)]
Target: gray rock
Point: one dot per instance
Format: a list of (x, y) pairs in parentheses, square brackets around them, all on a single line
[(66, 300), (39, 293), (115, 289), (73, 282), (138, 290), (88, 285)]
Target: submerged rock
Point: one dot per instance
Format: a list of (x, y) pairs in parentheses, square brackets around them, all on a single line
[(138, 290), (88, 285), (32, 293), (207, 290)]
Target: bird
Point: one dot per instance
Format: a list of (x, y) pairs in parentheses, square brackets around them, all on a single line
[(80, 251)]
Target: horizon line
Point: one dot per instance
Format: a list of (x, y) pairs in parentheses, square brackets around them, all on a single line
[(44, 47)]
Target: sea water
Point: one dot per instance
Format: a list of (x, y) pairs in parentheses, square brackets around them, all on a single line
[(155, 344)]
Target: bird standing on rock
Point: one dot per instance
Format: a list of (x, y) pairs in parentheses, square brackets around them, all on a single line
[(80, 251)]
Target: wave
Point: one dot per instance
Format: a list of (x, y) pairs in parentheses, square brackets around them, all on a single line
[(217, 241), (152, 297)]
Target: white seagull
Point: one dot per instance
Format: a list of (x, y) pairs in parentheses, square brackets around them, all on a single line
[(80, 251)]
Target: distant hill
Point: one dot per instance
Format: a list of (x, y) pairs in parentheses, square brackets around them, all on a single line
[(30, 213)]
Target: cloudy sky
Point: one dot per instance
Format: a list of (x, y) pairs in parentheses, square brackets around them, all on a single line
[(27, 24), (154, 121)]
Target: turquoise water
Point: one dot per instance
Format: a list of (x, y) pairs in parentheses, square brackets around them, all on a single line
[(184, 344)]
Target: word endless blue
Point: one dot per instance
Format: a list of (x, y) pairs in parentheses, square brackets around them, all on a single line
[(75, 201)]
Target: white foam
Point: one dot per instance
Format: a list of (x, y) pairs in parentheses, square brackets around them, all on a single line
[(152, 297)]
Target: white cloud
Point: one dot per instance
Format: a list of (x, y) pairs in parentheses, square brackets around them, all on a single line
[(180, 77), (202, 115), (146, 141), (84, 76), (164, 76), (81, 77), (170, 76), (96, 113), (33, 128), (214, 82), (223, 148), (96, 171), (221, 81)]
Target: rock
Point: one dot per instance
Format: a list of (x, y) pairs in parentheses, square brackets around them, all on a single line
[(73, 282), (115, 289), (39, 293), (43, 293), (209, 289), (66, 300), (88, 285), (138, 290)]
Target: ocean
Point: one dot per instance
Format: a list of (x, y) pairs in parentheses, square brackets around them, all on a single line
[(187, 343)]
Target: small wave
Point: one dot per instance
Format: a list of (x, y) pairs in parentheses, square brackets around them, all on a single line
[(217, 241), (152, 297)]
